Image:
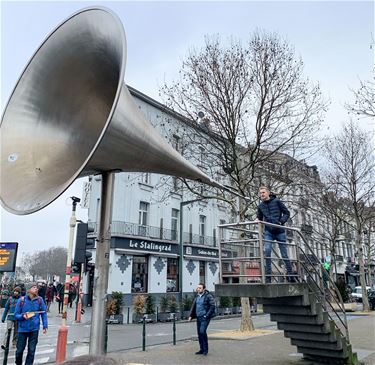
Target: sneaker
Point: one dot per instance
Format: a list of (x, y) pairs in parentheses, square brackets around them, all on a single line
[(200, 352)]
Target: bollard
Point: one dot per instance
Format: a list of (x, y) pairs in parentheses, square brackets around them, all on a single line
[(106, 337), (128, 315), (174, 328), (144, 334), (6, 351)]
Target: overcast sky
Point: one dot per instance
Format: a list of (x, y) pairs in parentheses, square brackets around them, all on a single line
[(335, 40)]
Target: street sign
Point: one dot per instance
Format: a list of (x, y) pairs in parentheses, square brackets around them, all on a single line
[(8, 256)]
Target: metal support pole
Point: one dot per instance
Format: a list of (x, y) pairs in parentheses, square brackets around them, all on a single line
[(6, 352), (98, 323), (174, 328), (80, 294), (144, 334), (261, 252), (62, 336)]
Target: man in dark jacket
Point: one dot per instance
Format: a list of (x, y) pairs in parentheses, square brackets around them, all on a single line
[(203, 309), (273, 210), (8, 314), (29, 310)]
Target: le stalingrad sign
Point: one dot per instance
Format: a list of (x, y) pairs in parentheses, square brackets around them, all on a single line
[(8, 256)]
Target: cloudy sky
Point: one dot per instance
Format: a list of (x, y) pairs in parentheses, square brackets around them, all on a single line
[(334, 39)]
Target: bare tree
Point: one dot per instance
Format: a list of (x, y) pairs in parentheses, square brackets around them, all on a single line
[(351, 170), (47, 263), (364, 99), (249, 104)]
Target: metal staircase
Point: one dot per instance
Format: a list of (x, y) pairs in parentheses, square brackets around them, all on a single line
[(310, 310)]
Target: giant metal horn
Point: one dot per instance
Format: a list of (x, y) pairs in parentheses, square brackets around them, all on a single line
[(71, 115)]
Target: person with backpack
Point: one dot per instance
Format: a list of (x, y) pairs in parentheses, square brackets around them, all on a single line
[(8, 314), (203, 309), (273, 210), (30, 309)]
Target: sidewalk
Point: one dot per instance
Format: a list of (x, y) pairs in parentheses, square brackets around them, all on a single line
[(268, 348)]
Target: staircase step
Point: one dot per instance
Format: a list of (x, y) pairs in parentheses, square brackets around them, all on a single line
[(285, 318), (287, 309), (288, 301), (322, 337), (325, 360), (323, 328), (338, 354), (317, 344)]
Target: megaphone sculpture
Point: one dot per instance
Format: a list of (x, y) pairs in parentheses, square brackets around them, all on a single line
[(71, 115)]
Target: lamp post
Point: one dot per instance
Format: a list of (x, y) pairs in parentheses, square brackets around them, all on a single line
[(180, 269), (63, 330)]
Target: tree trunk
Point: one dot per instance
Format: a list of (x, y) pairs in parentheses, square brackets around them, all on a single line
[(365, 303)]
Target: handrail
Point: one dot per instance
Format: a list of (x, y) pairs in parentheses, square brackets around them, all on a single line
[(313, 272)]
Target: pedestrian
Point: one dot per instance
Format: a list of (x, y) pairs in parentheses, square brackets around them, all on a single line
[(8, 314), (72, 294), (50, 293), (42, 290), (30, 309), (273, 210), (60, 297), (203, 309)]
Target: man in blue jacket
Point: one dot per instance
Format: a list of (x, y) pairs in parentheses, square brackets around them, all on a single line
[(29, 310), (8, 314), (203, 309), (273, 210)]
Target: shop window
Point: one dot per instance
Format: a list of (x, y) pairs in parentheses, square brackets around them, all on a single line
[(139, 275), (202, 271), (172, 275)]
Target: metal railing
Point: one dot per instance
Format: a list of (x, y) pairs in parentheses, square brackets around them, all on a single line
[(247, 245), (120, 228)]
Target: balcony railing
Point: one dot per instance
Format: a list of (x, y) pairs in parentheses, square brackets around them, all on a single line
[(198, 239), (119, 228)]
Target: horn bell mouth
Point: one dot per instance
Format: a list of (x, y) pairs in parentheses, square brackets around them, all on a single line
[(60, 109)]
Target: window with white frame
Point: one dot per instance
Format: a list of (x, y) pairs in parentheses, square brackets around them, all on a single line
[(146, 178), (143, 218), (174, 223)]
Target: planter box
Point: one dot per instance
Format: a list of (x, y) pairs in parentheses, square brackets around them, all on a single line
[(115, 319)]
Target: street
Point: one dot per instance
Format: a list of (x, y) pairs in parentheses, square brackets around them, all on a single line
[(120, 337)]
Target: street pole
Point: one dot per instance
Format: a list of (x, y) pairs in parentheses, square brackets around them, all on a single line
[(80, 294), (98, 324), (63, 330)]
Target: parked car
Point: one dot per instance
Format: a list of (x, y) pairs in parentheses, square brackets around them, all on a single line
[(371, 299), (356, 294)]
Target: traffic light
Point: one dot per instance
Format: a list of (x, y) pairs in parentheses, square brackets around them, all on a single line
[(81, 255), (327, 265), (76, 268), (81, 241)]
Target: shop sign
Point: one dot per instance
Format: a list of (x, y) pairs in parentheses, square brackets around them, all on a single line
[(145, 245), (8, 256), (205, 252)]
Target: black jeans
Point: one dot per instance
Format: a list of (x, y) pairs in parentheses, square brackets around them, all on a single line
[(32, 338), (202, 324)]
